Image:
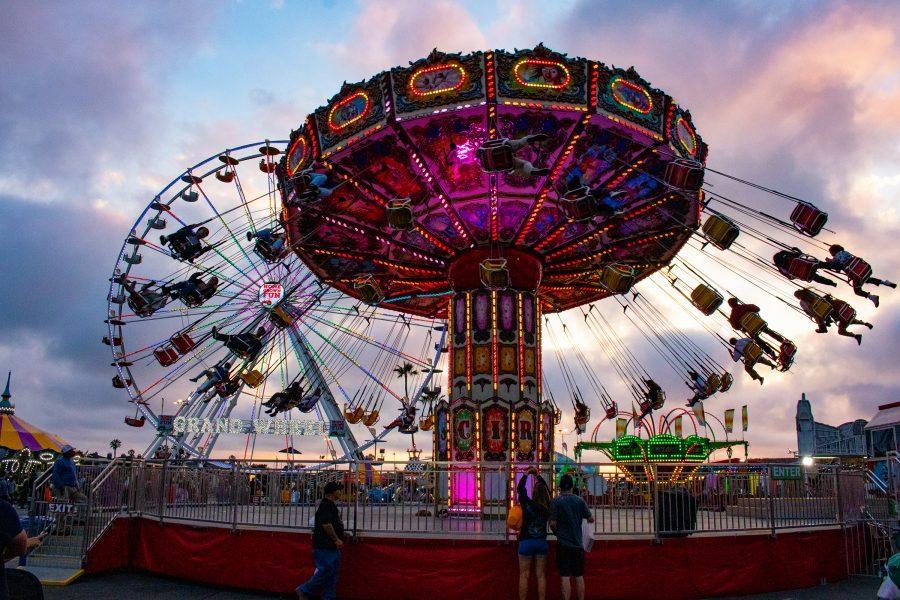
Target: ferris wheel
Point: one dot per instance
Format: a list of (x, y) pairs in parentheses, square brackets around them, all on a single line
[(215, 324)]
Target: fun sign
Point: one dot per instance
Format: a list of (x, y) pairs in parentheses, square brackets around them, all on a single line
[(270, 294)]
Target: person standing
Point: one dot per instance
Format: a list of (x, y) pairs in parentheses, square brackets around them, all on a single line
[(566, 513), (533, 533), (7, 488), (64, 477), (327, 540)]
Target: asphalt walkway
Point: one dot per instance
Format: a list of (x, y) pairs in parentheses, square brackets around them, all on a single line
[(136, 585)]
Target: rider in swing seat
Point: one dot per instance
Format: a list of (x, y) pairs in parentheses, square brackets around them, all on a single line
[(246, 345), (840, 262), (783, 259), (738, 349), (186, 244), (700, 388), (215, 376)]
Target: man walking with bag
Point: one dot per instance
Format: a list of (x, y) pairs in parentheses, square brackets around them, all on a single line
[(327, 539), (566, 514)]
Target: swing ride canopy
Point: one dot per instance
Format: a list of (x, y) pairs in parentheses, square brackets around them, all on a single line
[(412, 133)]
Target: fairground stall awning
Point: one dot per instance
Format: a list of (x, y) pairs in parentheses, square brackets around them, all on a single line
[(17, 434)]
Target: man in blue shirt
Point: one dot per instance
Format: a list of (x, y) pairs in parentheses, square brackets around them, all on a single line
[(566, 512), (64, 477)]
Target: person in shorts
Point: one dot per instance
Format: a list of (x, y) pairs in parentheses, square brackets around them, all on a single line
[(566, 513), (533, 534)]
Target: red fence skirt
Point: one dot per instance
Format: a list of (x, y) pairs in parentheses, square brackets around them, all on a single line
[(377, 568)]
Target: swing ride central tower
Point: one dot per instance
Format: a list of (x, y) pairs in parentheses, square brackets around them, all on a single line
[(489, 189)]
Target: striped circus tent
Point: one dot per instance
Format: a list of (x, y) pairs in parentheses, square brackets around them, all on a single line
[(17, 434)]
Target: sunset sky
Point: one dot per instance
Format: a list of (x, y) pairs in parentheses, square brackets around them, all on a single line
[(102, 103)]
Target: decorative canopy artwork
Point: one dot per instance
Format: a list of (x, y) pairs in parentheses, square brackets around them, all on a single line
[(588, 133)]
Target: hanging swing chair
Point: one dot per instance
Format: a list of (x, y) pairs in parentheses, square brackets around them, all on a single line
[(706, 299), (617, 278), (368, 290), (727, 381), (370, 418), (494, 274), (399, 214), (808, 219), (720, 231), (684, 174)]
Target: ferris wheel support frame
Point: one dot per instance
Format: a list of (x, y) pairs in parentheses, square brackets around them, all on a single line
[(327, 403)]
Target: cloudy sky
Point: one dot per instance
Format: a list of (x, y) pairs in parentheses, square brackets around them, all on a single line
[(102, 103)]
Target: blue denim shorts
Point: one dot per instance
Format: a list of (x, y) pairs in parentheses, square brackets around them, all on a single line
[(533, 548)]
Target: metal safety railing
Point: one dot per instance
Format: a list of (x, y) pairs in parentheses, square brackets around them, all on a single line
[(444, 499)]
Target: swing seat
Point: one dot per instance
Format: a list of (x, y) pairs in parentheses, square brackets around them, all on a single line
[(496, 156), (189, 195), (821, 308), (114, 341), (658, 400), (281, 318), (645, 407), (685, 174), (427, 423), (579, 204), (617, 279), (226, 388), (368, 290), (134, 422), (582, 417), (720, 231), (117, 299), (269, 253), (225, 176), (611, 411), (802, 268), (371, 418), (133, 259), (844, 313), (399, 214), (494, 274), (253, 378), (752, 353), (266, 166), (119, 383), (713, 383), (786, 355), (408, 428), (166, 356), (752, 324), (727, 381), (706, 299), (358, 414), (808, 219), (858, 271), (157, 223), (183, 342)]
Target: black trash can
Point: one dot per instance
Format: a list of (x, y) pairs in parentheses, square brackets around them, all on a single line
[(676, 512)]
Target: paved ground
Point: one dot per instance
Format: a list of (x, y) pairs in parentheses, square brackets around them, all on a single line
[(143, 586)]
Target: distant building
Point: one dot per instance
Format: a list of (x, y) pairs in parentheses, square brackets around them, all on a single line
[(883, 431), (819, 439)]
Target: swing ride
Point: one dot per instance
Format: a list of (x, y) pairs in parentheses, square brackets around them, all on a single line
[(464, 214)]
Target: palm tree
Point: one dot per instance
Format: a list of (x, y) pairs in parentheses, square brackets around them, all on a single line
[(115, 445), (404, 371)]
